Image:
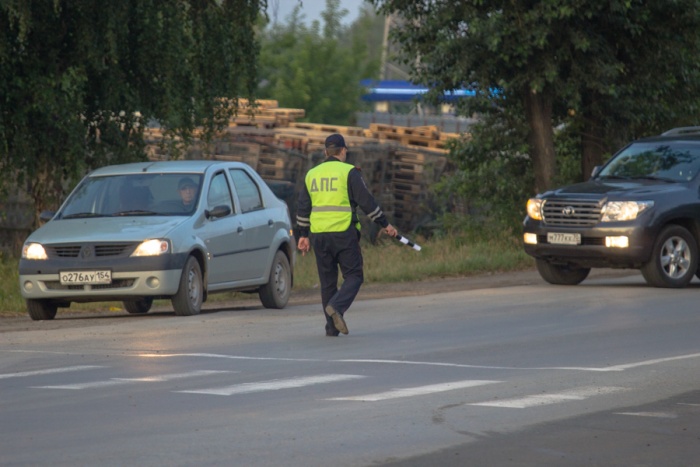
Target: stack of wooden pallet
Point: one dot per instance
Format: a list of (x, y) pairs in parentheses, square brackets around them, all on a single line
[(264, 114), (399, 164), (419, 137)]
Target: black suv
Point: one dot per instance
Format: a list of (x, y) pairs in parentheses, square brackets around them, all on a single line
[(640, 210)]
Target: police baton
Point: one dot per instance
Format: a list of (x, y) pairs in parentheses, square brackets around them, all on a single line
[(407, 242)]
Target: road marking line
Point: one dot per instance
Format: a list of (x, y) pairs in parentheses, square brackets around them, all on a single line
[(118, 381), (233, 357), (649, 414), (653, 362), (416, 391), (49, 371), (274, 385), (547, 399), (613, 368), (174, 376)]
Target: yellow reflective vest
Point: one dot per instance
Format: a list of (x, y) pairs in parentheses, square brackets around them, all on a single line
[(327, 184)]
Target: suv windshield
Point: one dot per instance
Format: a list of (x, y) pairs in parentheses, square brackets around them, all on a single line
[(133, 195), (675, 161)]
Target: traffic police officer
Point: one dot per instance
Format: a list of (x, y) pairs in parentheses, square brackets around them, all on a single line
[(326, 208)]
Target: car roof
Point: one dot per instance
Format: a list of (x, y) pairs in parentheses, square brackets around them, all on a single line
[(192, 166)]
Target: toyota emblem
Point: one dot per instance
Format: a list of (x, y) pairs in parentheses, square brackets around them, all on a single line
[(568, 211)]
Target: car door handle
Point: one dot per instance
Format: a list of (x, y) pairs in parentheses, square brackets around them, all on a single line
[(239, 229), (270, 222)]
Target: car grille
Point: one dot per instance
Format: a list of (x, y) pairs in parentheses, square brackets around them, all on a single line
[(89, 250), (571, 212), (116, 284)]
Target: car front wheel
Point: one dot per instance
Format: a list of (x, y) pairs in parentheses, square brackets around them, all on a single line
[(41, 309), (275, 294), (189, 297), (674, 259), (561, 275)]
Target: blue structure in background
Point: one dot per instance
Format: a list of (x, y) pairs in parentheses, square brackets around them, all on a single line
[(403, 91)]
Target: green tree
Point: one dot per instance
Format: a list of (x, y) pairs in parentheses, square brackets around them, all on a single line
[(604, 68), (319, 67), (80, 79)]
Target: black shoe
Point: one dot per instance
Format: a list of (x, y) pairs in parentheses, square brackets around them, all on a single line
[(331, 331), (337, 318)]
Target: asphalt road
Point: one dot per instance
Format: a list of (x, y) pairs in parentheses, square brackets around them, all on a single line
[(514, 373)]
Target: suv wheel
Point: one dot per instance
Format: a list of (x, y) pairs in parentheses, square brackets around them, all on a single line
[(275, 294), (674, 259), (561, 275), (189, 297), (41, 309)]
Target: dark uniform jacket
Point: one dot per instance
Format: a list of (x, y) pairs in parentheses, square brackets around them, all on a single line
[(359, 196)]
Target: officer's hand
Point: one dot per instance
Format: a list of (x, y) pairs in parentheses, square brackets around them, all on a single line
[(390, 230), (304, 245)]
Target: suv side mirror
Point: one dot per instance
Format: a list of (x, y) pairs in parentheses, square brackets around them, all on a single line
[(46, 216)]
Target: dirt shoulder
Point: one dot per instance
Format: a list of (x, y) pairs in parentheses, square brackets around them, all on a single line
[(308, 297)]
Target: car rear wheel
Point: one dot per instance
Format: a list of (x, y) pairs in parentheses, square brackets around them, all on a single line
[(674, 259), (138, 306), (189, 297), (41, 309), (561, 275), (275, 294)]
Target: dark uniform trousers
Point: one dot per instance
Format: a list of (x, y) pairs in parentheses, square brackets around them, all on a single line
[(335, 249)]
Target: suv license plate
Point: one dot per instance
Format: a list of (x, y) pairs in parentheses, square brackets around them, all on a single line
[(85, 277), (564, 238)]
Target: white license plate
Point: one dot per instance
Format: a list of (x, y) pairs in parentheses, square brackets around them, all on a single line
[(564, 238), (85, 277)]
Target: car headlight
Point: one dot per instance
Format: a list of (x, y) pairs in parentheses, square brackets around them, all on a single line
[(534, 208), (153, 247), (616, 211), (34, 251)]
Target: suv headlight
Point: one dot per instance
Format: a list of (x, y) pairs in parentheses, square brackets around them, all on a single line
[(616, 211), (534, 208), (34, 251), (153, 247)]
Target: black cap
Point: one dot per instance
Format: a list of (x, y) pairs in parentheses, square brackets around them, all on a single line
[(187, 181), (335, 141)]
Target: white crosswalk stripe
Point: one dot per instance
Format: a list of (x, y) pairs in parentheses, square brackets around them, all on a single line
[(548, 399), (274, 385), (121, 381), (49, 371), (416, 391)]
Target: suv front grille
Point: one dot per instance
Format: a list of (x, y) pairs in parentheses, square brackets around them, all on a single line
[(571, 212)]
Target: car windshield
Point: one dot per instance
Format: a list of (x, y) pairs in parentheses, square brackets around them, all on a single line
[(676, 161), (134, 195)]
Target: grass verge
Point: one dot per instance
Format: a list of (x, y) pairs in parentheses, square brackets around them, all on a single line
[(387, 261)]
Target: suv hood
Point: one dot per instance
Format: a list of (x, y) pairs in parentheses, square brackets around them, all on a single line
[(105, 229), (617, 188)]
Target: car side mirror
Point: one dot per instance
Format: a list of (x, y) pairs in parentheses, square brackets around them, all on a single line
[(218, 211), (46, 216)]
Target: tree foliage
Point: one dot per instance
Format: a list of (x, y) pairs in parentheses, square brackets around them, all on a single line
[(319, 67), (605, 69), (80, 79)]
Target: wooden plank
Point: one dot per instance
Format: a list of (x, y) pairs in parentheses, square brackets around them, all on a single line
[(407, 167), (343, 130), (407, 186)]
